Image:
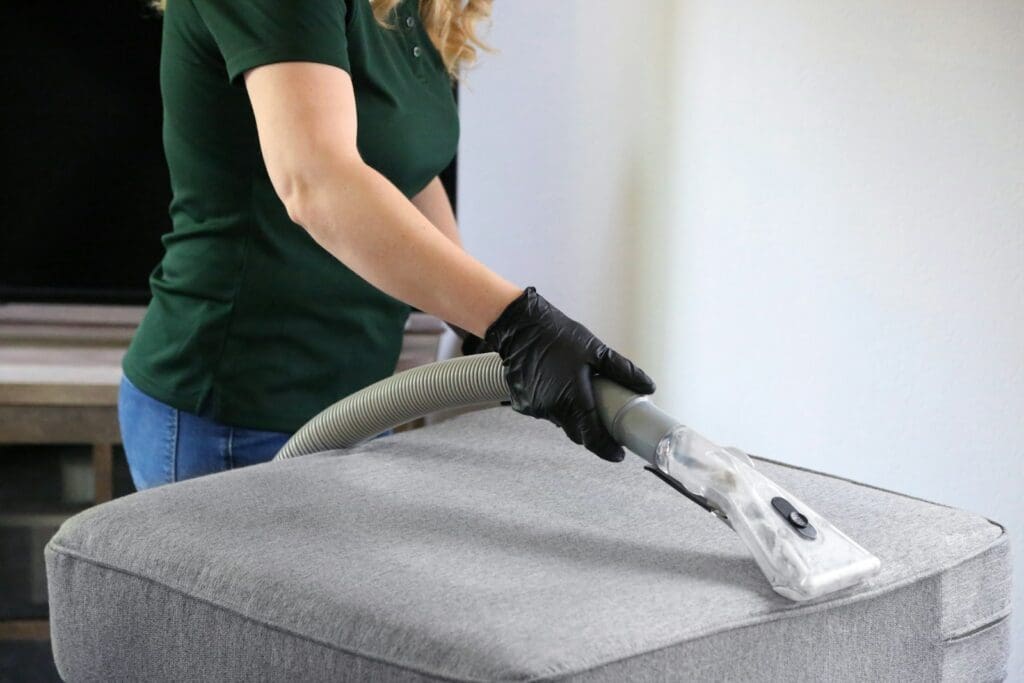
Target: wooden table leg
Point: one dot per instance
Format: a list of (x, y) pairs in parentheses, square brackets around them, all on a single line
[(103, 469)]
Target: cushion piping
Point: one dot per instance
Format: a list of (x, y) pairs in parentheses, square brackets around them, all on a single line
[(984, 626)]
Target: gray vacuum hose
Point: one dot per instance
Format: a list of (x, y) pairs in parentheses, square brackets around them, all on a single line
[(405, 396), (632, 419)]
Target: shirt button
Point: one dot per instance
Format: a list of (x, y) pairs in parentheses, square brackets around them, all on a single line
[(410, 22), (416, 51)]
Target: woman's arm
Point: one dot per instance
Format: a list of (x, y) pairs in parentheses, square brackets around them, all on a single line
[(306, 121), (433, 203)]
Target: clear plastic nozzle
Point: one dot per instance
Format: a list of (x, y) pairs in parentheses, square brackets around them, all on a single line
[(801, 554)]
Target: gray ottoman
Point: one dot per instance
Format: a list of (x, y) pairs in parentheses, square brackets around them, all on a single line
[(489, 547)]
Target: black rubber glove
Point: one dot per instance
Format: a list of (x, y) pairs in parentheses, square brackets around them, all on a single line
[(549, 359)]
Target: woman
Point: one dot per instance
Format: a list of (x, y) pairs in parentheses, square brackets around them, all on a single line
[(303, 140)]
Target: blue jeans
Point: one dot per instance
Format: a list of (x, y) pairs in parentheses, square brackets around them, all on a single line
[(164, 444)]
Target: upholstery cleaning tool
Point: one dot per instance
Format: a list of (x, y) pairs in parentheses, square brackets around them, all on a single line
[(800, 553)]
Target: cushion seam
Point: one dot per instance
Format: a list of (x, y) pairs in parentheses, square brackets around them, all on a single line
[(978, 626), (67, 552)]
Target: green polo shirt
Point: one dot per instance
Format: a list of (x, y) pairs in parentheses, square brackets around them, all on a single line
[(251, 322)]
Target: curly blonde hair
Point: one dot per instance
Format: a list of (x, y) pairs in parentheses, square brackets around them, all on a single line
[(451, 25)]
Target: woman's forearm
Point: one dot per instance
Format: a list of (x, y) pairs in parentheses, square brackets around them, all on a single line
[(365, 222), (433, 202)]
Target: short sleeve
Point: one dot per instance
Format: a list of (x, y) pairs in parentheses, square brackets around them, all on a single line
[(251, 33)]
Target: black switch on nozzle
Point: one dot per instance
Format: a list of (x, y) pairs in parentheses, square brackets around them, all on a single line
[(798, 521)]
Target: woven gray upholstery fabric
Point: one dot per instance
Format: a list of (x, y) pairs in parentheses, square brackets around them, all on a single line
[(489, 547)]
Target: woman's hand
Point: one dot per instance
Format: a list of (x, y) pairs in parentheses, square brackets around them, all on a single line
[(549, 359)]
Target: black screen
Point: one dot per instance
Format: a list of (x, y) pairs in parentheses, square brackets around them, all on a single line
[(85, 191)]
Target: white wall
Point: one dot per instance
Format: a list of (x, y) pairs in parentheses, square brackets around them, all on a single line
[(826, 203), (555, 128), (850, 243)]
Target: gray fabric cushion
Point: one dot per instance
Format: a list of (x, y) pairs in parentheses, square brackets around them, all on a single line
[(490, 547)]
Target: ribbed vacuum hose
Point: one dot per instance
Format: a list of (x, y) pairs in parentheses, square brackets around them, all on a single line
[(633, 420), (405, 396)]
